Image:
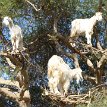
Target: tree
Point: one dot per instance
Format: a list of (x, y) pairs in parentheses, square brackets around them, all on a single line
[(46, 33)]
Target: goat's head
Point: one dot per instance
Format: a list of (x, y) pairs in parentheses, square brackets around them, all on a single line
[(98, 16), (7, 21)]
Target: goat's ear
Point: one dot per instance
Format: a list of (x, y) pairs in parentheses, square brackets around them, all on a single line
[(98, 13), (101, 13)]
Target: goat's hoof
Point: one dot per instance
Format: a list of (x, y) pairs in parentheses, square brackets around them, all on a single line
[(45, 92), (89, 45), (17, 51), (58, 93), (73, 44), (13, 52)]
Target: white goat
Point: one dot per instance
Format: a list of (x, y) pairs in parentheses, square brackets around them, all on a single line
[(60, 75), (85, 26), (16, 34)]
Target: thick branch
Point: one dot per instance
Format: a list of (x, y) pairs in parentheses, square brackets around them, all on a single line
[(72, 56), (65, 41), (102, 61), (89, 78), (76, 61), (10, 63), (12, 58), (9, 82), (55, 23), (100, 5), (7, 93), (15, 96), (62, 51)]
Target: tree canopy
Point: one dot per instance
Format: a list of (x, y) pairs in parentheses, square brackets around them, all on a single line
[(46, 28)]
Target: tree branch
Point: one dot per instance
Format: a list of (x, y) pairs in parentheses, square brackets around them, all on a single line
[(33, 5), (65, 41), (13, 58), (9, 82), (7, 93)]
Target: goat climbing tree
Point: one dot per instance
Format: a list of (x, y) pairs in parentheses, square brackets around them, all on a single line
[(94, 57), (18, 63)]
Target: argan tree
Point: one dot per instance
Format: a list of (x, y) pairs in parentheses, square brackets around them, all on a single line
[(46, 30)]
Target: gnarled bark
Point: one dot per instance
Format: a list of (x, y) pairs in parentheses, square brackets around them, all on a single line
[(22, 95)]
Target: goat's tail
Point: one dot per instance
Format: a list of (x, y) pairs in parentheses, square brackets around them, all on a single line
[(49, 72), (73, 32)]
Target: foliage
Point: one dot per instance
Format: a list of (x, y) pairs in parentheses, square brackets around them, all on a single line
[(7, 6), (36, 25)]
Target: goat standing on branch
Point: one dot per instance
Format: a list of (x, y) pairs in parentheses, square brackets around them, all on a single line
[(85, 26), (16, 34), (60, 75)]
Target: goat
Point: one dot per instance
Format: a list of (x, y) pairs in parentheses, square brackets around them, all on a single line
[(16, 34), (85, 26), (60, 75)]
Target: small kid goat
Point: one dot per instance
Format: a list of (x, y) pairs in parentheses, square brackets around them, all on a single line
[(60, 75), (16, 34), (85, 26)]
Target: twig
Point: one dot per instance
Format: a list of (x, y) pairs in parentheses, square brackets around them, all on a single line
[(33, 5), (76, 99)]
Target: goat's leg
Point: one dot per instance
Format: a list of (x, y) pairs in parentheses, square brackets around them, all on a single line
[(79, 79), (66, 86), (55, 86), (61, 89), (50, 84), (88, 36), (72, 36), (17, 45), (13, 45), (21, 48), (73, 32)]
